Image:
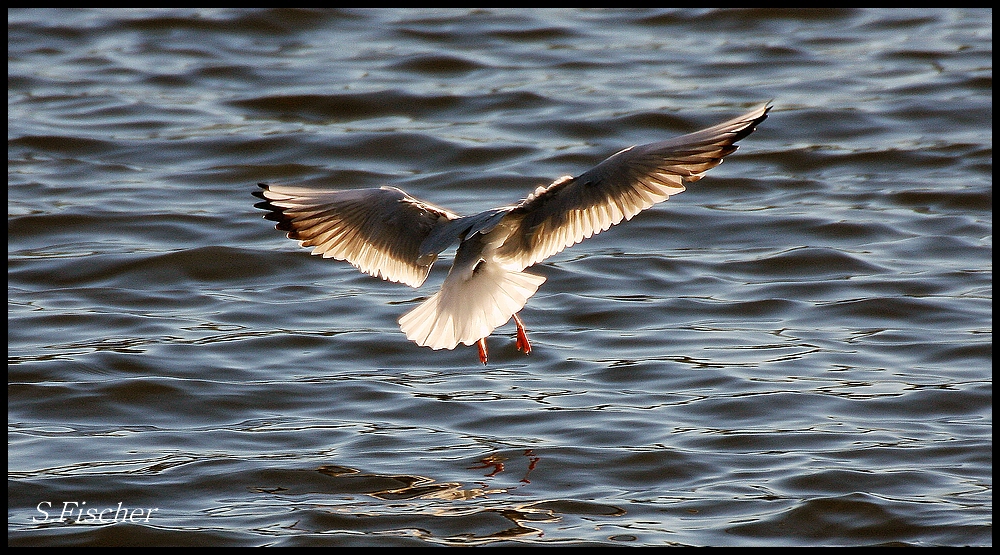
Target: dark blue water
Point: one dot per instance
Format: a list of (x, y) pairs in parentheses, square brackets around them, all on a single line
[(795, 351)]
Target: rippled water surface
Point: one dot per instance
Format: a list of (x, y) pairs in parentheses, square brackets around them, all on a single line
[(795, 351)]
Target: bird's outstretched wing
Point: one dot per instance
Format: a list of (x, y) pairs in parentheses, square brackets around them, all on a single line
[(572, 209), (377, 230)]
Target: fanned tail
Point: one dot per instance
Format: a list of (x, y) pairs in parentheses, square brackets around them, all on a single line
[(466, 310)]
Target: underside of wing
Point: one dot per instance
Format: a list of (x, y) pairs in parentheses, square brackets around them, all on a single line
[(572, 209), (379, 231)]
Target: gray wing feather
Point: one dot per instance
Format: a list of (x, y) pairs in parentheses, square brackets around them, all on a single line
[(379, 231), (572, 209)]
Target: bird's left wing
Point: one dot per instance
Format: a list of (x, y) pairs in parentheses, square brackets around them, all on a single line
[(379, 231), (572, 209)]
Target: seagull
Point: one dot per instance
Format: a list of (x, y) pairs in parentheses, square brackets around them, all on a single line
[(389, 234)]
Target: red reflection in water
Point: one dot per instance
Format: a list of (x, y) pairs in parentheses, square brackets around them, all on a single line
[(493, 461), (496, 463), (532, 461)]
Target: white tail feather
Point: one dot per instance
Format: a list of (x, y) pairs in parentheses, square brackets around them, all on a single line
[(466, 310)]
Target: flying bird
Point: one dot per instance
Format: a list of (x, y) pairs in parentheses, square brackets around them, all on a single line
[(389, 234)]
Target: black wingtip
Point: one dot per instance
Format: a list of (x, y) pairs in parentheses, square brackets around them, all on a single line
[(260, 194), (273, 213), (752, 126)]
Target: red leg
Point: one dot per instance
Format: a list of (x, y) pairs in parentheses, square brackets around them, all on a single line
[(482, 351), (522, 336)]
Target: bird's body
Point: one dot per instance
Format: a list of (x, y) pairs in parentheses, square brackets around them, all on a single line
[(389, 234)]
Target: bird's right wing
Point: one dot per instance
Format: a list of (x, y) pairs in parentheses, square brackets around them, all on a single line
[(573, 208), (379, 231)]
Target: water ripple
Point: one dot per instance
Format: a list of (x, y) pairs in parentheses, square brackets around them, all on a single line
[(797, 351)]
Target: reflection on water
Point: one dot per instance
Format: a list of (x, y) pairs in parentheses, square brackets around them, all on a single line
[(513, 522)]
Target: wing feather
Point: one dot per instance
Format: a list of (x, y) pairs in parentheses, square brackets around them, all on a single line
[(572, 209), (379, 231)]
